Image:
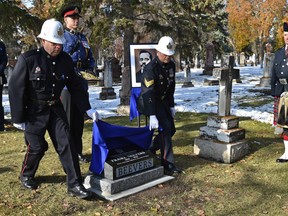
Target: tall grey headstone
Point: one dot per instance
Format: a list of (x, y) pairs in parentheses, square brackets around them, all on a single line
[(226, 76), (265, 81), (209, 61), (107, 92), (242, 59)]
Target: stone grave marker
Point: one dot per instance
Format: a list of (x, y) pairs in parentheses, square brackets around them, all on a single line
[(226, 76), (222, 140), (126, 171), (242, 59), (122, 163), (107, 91), (209, 61), (187, 76), (265, 81)]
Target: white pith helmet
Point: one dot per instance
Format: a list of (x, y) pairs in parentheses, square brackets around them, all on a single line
[(166, 46), (52, 31)]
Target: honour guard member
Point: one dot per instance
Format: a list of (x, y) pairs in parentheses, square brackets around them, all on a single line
[(279, 89), (157, 100), (34, 90), (3, 80), (78, 48)]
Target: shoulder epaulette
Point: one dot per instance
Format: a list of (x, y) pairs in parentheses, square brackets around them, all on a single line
[(31, 53)]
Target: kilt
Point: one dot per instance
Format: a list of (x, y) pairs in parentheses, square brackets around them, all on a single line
[(279, 115)]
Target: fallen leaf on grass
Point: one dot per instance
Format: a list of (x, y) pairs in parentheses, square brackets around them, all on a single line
[(109, 208), (153, 209), (169, 203), (201, 213), (219, 190)]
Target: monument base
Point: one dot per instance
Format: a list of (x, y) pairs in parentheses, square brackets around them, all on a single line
[(187, 84), (219, 151), (265, 82), (116, 189), (211, 82), (107, 93)]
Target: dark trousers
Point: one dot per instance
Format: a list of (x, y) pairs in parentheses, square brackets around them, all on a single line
[(163, 139), (36, 146), (75, 119), (1, 110)]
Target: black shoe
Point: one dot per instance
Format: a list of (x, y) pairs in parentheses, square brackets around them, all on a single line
[(79, 191), (153, 151), (28, 182), (171, 169), (83, 159), (279, 160)]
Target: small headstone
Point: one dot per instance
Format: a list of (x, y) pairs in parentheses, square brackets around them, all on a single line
[(187, 77)]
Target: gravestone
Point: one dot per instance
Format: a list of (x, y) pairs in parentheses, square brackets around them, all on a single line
[(107, 91), (209, 61), (126, 171), (265, 81), (242, 59), (122, 163), (187, 77), (221, 139)]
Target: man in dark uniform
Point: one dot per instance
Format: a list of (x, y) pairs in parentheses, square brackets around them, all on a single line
[(279, 89), (78, 48), (35, 86), (3, 80), (157, 100)]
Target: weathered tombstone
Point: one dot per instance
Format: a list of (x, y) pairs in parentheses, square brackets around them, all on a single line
[(222, 139), (265, 81), (254, 59), (209, 61), (187, 76), (107, 92), (242, 59), (116, 70)]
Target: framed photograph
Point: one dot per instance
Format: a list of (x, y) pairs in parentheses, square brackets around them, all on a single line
[(140, 55)]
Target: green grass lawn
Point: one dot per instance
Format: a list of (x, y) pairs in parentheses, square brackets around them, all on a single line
[(255, 185)]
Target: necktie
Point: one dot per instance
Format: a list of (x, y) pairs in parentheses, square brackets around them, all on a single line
[(286, 51)]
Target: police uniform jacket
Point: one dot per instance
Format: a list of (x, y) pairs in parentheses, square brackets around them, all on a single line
[(78, 48), (3, 62), (279, 71), (157, 87), (36, 84)]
